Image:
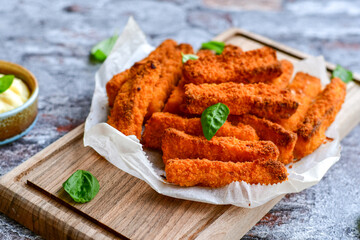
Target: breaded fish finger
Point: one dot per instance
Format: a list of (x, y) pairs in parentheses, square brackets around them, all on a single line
[(306, 88), (131, 103), (165, 48), (266, 130), (175, 100), (262, 100), (177, 95), (202, 53), (159, 54), (202, 172), (320, 115), (185, 48), (260, 65), (113, 86), (171, 64), (283, 80), (177, 144), (229, 51), (159, 122)]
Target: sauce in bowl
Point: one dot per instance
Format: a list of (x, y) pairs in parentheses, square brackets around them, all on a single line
[(15, 96)]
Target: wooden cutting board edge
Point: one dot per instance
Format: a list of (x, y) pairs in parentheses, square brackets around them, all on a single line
[(31, 208), (276, 45), (27, 205)]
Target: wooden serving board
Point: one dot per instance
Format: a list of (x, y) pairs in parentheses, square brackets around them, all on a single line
[(126, 207)]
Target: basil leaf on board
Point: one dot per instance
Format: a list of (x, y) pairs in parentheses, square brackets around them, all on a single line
[(101, 50), (82, 186), (213, 118), (342, 73), (218, 47), (186, 57), (5, 82)]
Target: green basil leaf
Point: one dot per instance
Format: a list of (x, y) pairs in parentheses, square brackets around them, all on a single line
[(342, 73), (101, 50), (99, 55), (5, 82), (213, 118), (82, 186), (186, 57), (218, 47)]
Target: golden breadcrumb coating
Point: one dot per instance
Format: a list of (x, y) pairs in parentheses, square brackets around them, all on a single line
[(134, 97), (260, 65), (320, 115), (177, 144), (114, 85), (262, 100), (306, 88), (159, 122), (229, 51), (283, 80), (202, 172), (159, 54), (177, 95), (202, 53), (284, 139), (185, 49), (175, 100), (168, 54), (171, 64)]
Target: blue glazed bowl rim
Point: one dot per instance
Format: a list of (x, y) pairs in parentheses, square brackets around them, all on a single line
[(25, 132)]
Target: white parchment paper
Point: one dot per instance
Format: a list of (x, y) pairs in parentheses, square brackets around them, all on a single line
[(126, 153)]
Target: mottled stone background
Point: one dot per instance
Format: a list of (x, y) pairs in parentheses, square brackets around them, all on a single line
[(53, 39)]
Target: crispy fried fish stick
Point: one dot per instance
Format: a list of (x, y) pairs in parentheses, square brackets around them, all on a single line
[(231, 51), (168, 54), (283, 80), (262, 100), (113, 86), (131, 103), (320, 115), (306, 88), (171, 62), (266, 130), (175, 100), (202, 53), (260, 65), (202, 172), (185, 48), (177, 95), (159, 54), (177, 144), (159, 122), (165, 48)]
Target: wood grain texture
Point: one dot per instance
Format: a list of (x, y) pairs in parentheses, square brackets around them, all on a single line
[(37, 211), (125, 206)]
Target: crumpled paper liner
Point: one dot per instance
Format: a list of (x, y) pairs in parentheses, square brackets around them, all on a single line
[(126, 153)]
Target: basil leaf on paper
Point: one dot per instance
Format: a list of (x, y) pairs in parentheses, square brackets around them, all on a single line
[(101, 50), (5, 82), (186, 57), (213, 118), (218, 47), (82, 186), (342, 73)]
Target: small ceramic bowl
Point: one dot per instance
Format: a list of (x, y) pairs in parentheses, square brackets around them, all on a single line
[(17, 122)]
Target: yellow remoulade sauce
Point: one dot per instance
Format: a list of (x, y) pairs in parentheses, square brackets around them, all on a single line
[(15, 96)]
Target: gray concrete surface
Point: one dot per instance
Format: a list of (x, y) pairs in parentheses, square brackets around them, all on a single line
[(53, 39)]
